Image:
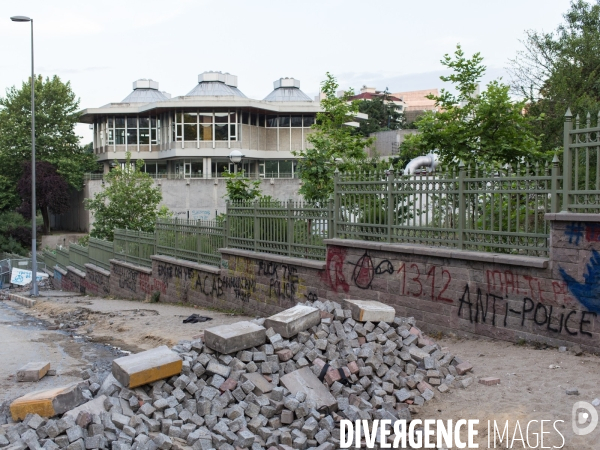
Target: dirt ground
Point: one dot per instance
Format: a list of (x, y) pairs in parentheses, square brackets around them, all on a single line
[(131, 325), (533, 381), (533, 387)]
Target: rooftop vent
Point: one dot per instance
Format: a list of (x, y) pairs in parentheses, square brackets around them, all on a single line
[(287, 90), (145, 91), (213, 83)]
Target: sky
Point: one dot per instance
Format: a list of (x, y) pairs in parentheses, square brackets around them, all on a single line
[(102, 47)]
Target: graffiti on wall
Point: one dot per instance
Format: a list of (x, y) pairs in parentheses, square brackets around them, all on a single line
[(149, 284), (98, 283), (333, 275), (128, 278), (588, 292), (283, 279), (489, 308)]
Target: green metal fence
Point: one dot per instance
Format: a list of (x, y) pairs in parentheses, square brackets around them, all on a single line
[(62, 257), (581, 165), (194, 240), (78, 256), (497, 212), (134, 246), (289, 228), (49, 258), (101, 252)]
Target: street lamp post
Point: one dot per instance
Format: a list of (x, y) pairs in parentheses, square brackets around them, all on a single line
[(236, 157), (34, 284)]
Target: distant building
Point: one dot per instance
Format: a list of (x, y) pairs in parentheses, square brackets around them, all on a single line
[(369, 93), (416, 102)]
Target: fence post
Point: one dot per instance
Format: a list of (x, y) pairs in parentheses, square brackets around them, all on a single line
[(330, 217), (336, 204), (462, 210), (390, 201), (226, 233), (255, 231), (290, 226), (567, 159), (554, 185), (176, 236), (198, 236)]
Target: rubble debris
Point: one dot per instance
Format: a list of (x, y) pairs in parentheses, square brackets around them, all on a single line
[(232, 338), (50, 402), (145, 367), (33, 371), (370, 311), (263, 393), (290, 322), (489, 381)]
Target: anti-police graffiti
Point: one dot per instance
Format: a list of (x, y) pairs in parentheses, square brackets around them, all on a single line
[(128, 278)]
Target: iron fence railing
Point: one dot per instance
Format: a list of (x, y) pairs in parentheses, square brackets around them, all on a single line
[(78, 256), (289, 228), (101, 252), (62, 257), (194, 240), (49, 258), (134, 246), (466, 209), (581, 165)]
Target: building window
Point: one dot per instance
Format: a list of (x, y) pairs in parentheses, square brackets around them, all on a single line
[(190, 126), (122, 129), (277, 168), (271, 121)]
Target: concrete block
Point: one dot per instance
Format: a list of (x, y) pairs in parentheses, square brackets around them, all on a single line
[(94, 407), (303, 380), (235, 337), (33, 371), (370, 311), (145, 367), (261, 385), (290, 322), (48, 403)]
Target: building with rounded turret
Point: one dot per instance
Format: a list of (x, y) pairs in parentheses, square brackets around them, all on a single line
[(192, 135)]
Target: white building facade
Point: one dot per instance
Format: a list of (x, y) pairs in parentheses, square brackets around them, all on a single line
[(192, 136)]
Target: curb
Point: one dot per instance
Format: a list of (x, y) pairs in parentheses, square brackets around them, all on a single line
[(25, 301)]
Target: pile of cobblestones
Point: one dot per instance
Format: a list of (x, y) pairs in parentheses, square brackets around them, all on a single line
[(257, 397)]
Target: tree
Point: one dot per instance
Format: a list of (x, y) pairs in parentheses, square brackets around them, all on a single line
[(488, 129), (241, 188), (56, 142), (51, 192), (332, 142), (15, 233), (383, 115), (560, 69), (129, 201)]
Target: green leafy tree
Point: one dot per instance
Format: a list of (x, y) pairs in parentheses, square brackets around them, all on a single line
[(383, 115), (129, 201), (9, 199), (56, 142), (560, 69), (332, 144), (241, 188), (489, 129)]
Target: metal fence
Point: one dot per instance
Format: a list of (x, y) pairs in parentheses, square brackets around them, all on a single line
[(78, 256), (100, 252), (194, 240), (134, 246), (289, 228), (62, 257), (467, 209), (581, 165)]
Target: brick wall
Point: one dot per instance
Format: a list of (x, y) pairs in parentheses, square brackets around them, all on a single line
[(554, 300), (97, 280)]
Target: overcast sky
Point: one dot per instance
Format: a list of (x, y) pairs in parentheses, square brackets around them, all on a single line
[(101, 47)]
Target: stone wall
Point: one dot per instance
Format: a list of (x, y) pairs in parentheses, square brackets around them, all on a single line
[(554, 300), (97, 280)]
